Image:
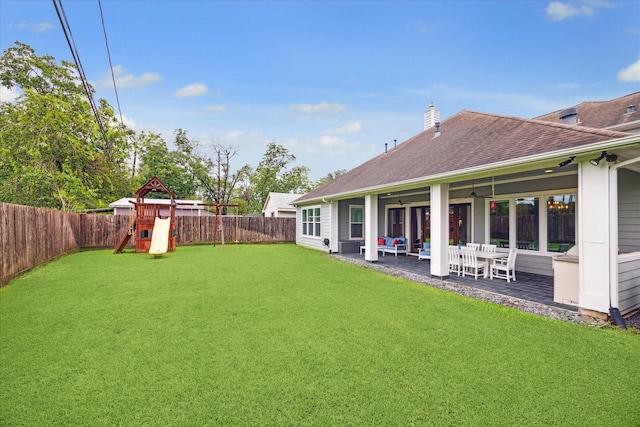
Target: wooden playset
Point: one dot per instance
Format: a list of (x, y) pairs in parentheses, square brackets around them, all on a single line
[(145, 216), (142, 223)]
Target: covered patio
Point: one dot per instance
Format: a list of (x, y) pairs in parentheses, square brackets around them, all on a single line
[(534, 288)]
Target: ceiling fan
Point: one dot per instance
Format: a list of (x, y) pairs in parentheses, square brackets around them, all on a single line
[(473, 194)]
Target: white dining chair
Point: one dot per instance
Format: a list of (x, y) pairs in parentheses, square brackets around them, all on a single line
[(505, 268), (470, 264), (488, 248), (454, 260), (475, 246)]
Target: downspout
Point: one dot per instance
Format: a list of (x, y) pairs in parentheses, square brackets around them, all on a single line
[(614, 310)]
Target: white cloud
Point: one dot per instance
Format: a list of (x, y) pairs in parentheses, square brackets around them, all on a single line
[(631, 73), (332, 142), (216, 108), (234, 134), (129, 122), (559, 11), (354, 127), (127, 80), (37, 27), (633, 31), (322, 108), (195, 89), (8, 95)]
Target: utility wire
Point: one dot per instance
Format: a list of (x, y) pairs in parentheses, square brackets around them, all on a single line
[(76, 58), (113, 77)]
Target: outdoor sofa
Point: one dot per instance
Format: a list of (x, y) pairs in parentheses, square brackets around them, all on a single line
[(392, 245)]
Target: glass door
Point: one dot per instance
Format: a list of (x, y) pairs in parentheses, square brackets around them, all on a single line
[(395, 227), (459, 224)]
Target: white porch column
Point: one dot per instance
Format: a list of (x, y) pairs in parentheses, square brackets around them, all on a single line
[(371, 227), (593, 236), (333, 238), (439, 230)]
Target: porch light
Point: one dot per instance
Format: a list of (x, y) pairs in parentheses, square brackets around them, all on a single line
[(604, 155), (596, 162)]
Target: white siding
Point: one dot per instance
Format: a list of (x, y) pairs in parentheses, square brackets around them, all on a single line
[(325, 228), (537, 264), (629, 282), (628, 211)]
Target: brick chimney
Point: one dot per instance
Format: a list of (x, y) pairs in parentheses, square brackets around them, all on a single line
[(431, 116)]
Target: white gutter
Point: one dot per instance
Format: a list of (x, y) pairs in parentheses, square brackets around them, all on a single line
[(613, 230), (618, 143)]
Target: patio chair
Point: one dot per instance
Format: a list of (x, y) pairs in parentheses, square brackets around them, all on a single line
[(470, 264), (505, 268), (475, 246), (488, 248), (454, 260)]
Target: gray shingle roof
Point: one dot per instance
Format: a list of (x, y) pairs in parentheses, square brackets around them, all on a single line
[(468, 140), (602, 114)]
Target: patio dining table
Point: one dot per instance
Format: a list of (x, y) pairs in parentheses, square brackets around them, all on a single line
[(490, 256)]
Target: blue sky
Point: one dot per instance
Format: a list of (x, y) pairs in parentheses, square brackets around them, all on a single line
[(334, 81)]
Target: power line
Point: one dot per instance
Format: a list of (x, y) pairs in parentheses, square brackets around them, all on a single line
[(113, 77), (76, 58)]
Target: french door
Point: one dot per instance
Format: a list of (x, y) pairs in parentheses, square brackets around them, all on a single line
[(459, 223), (395, 225)]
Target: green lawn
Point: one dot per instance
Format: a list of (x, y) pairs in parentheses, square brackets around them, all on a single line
[(280, 335)]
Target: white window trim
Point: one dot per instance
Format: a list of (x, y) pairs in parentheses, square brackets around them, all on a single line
[(542, 225), (312, 235), (356, 207)]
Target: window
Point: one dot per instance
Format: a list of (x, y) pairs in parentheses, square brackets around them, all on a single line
[(499, 223), (527, 223), (311, 222), (561, 222), (356, 222)]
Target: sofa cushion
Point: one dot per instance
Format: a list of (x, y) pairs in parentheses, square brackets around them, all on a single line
[(380, 241), (389, 241), (426, 245)]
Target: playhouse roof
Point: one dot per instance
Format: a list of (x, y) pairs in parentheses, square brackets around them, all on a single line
[(153, 185)]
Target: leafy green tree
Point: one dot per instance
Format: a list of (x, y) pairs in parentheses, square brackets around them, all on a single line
[(52, 153), (272, 175), (169, 166), (329, 177)]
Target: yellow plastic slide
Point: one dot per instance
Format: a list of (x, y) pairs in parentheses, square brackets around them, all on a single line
[(160, 237)]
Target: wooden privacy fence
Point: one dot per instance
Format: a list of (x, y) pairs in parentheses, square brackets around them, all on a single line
[(31, 236)]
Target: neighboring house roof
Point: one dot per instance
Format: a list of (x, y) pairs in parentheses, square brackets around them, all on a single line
[(282, 201), (468, 140), (602, 114)]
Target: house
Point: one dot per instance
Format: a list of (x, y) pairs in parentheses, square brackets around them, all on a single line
[(125, 206), (568, 180), (279, 205)]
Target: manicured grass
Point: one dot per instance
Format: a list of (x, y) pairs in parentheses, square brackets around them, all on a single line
[(280, 335)]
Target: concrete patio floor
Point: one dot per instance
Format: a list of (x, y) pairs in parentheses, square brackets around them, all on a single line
[(530, 287)]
